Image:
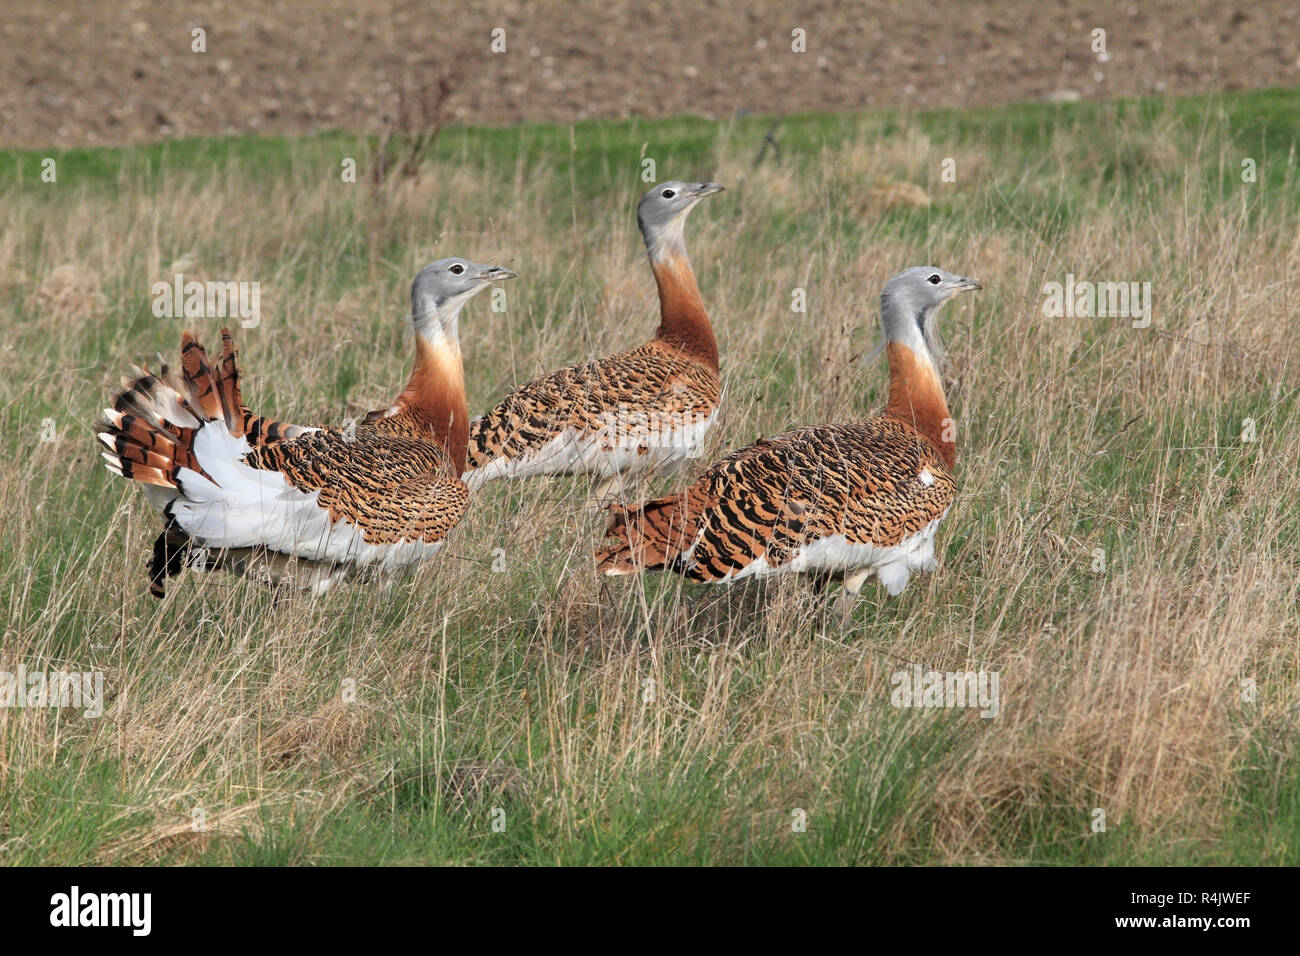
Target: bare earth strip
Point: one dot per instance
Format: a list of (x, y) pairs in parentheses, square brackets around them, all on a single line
[(73, 73)]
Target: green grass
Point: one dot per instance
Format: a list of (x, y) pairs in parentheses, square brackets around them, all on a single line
[(592, 158)]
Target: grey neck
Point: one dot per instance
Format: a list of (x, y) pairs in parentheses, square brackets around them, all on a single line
[(914, 325), (437, 318), (668, 241)]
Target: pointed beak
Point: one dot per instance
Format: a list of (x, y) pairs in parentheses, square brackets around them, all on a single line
[(965, 284), (706, 189), (495, 274)]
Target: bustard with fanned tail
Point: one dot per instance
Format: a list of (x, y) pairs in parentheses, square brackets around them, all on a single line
[(295, 504)]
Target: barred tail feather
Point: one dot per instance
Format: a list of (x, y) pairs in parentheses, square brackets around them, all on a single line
[(652, 536), (200, 383), (160, 425), (232, 402), (149, 430), (242, 423)]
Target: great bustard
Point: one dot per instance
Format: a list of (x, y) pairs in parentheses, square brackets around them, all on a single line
[(623, 414), (295, 504), (835, 501)]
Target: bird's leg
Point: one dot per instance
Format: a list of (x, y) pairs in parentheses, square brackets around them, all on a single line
[(853, 580), (605, 488), (845, 602), (847, 599)]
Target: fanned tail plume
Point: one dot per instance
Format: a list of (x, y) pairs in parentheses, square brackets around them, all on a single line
[(150, 431)]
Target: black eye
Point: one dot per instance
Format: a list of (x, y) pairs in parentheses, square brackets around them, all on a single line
[(668, 194), (456, 269), (933, 280)]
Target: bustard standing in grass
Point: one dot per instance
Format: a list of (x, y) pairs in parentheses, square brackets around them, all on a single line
[(292, 504), (835, 501), (626, 413)]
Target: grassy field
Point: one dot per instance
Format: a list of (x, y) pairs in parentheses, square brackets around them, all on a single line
[(1118, 554)]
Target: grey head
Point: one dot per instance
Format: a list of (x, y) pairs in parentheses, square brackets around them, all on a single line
[(662, 212), (909, 304), (442, 288)]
